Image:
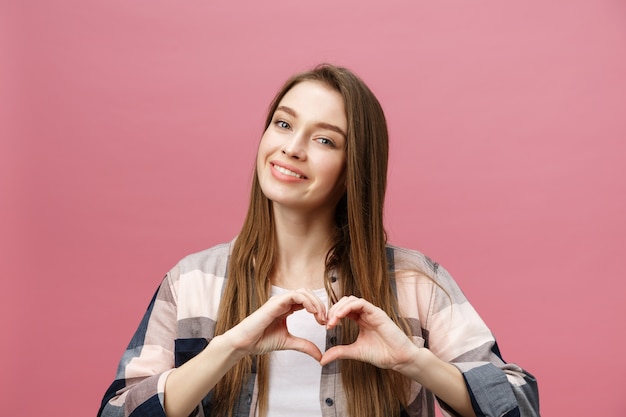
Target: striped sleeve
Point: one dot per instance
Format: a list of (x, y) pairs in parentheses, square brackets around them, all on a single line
[(178, 324), (455, 333), (140, 379), (458, 335)]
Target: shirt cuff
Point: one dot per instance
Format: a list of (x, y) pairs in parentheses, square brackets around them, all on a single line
[(489, 390), (161, 387)]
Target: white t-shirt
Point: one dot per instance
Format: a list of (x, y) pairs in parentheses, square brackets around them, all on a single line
[(294, 377)]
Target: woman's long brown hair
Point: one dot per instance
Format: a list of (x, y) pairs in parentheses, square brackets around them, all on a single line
[(357, 254)]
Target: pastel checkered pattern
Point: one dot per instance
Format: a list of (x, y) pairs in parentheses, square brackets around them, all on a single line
[(180, 322)]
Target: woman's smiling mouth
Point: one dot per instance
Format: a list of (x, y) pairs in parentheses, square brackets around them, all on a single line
[(286, 171)]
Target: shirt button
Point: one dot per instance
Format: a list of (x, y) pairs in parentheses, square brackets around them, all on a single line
[(249, 399), (329, 402), (333, 340)]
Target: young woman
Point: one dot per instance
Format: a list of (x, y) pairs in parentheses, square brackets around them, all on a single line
[(308, 311)]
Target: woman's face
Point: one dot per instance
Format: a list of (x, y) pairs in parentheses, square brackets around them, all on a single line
[(301, 159)]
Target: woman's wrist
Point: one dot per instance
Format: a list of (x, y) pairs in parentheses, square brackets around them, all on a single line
[(441, 378), (416, 361), (230, 352)]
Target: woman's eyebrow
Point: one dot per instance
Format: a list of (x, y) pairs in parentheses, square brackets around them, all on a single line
[(334, 128), (287, 110), (323, 125)]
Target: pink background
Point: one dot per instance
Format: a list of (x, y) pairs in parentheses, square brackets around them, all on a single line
[(129, 131)]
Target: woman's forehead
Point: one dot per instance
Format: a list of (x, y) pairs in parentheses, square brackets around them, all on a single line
[(315, 100)]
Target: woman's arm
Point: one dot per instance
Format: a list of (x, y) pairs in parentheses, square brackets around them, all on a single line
[(462, 365), (382, 343), (187, 385), (148, 381), (263, 331), (441, 378)]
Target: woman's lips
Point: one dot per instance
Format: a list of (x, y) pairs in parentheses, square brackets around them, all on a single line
[(289, 171)]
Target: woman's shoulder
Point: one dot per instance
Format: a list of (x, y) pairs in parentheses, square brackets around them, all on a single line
[(410, 259), (213, 260), (409, 265)]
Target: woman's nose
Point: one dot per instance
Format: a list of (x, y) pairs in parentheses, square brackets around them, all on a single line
[(295, 148)]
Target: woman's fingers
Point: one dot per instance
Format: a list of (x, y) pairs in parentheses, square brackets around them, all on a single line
[(337, 352), (265, 330), (379, 342), (313, 304), (349, 307), (296, 300), (305, 346)]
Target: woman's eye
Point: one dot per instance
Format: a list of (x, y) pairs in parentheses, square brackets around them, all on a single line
[(282, 124), (325, 141)]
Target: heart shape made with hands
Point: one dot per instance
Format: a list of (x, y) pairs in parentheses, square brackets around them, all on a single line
[(379, 342)]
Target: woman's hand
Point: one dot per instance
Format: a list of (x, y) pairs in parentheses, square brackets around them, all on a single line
[(380, 341), (265, 330)]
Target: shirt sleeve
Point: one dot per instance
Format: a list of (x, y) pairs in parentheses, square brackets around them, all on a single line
[(458, 335), (147, 361)]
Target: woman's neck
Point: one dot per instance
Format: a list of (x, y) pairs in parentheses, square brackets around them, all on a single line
[(303, 243)]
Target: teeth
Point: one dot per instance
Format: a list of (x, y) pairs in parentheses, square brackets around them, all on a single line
[(287, 172)]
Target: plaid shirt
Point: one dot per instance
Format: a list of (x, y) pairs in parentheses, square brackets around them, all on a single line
[(180, 322)]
